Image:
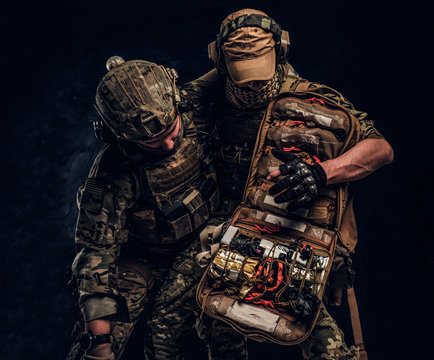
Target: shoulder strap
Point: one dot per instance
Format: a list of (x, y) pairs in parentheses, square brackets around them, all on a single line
[(302, 85), (293, 83), (355, 323)]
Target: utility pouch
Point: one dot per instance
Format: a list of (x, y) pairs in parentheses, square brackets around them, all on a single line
[(183, 191), (178, 220), (187, 213), (268, 278), (209, 190), (197, 208)]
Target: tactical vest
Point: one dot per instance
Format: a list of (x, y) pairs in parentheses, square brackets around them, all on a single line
[(268, 278), (179, 192)]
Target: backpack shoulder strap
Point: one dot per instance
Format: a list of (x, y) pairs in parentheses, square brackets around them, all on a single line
[(293, 83), (355, 323)]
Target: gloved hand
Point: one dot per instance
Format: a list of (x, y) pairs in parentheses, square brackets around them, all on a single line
[(302, 181)]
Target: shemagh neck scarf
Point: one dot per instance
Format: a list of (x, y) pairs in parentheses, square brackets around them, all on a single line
[(246, 98)]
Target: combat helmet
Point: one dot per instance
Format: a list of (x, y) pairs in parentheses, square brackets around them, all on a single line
[(137, 99)]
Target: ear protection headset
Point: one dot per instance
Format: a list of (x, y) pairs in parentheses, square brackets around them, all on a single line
[(281, 37)]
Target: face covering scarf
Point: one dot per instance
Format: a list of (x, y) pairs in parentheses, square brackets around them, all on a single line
[(246, 98)]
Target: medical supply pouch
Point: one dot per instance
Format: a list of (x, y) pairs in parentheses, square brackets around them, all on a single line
[(268, 278)]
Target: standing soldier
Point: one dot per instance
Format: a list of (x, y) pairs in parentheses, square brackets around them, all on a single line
[(250, 56), (150, 191)]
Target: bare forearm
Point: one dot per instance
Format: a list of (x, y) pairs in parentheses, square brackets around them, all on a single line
[(99, 326), (360, 161)]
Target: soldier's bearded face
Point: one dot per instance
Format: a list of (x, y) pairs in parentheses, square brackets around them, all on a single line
[(166, 140)]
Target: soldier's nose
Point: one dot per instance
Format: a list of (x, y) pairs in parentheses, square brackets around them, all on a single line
[(167, 144)]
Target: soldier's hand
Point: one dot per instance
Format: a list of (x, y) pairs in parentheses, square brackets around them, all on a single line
[(302, 181)]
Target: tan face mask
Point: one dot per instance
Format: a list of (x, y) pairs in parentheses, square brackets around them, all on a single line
[(246, 98)]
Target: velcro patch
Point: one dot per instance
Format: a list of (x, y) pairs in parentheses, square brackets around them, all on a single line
[(92, 195)]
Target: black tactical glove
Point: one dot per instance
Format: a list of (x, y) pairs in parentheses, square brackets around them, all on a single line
[(302, 183)]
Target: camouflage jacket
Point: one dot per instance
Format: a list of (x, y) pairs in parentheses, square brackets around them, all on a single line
[(207, 94), (124, 208), (237, 128)]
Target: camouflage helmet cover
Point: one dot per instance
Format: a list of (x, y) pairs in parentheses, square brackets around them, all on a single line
[(137, 99)]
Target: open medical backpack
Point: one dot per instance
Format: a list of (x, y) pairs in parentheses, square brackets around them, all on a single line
[(268, 277)]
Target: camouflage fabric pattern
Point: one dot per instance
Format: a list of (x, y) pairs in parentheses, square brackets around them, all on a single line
[(222, 342), (249, 20), (135, 289), (326, 342), (100, 230), (143, 106), (113, 193), (176, 312), (107, 227)]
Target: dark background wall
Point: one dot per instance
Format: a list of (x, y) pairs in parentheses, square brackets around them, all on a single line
[(53, 55)]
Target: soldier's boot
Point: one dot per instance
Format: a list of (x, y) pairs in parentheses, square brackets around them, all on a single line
[(327, 341)]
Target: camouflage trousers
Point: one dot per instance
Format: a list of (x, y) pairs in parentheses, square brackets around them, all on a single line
[(135, 282), (326, 342), (175, 312)]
